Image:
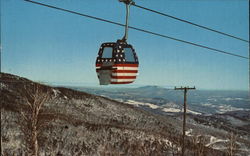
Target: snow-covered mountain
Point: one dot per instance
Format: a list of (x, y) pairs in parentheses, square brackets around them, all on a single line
[(227, 111), (79, 123)]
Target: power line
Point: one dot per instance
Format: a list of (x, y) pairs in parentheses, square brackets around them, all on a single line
[(139, 29), (194, 24)]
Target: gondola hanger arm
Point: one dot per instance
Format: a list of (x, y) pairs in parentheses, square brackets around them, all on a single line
[(128, 4)]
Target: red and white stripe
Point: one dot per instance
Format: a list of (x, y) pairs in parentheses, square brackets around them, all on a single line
[(123, 73)]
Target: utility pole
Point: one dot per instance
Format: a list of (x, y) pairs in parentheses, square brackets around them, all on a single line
[(184, 115)]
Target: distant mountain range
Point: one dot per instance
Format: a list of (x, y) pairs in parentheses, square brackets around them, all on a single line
[(141, 121), (200, 101)]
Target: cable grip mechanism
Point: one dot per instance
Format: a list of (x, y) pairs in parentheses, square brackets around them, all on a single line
[(128, 4)]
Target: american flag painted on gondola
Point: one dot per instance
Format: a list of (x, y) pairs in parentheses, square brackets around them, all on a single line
[(122, 73), (116, 63)]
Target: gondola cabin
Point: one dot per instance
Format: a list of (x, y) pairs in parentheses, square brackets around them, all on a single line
[(116, 63)]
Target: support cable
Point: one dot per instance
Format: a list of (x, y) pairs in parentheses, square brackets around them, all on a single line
[(188, 22), (142, 30)]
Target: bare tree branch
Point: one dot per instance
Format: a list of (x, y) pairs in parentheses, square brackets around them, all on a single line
[(31, 121)]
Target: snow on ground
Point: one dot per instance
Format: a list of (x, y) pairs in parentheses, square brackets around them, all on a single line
[(206, 104), (228, 108), (176, 110), (65, 97), (214, 140), (189, 132), (56, 92), (170, 144), (164, 109), (193, 112), (136, 103), (120, 100), (222, 108), (228, 99), (3, 86), (212, 99), (235, 99), (104, 96), (173, 110)]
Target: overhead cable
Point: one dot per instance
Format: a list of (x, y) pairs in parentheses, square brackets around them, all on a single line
[(188, 22), (139, 29)]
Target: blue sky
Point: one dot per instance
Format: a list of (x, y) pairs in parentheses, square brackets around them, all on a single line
[(52, 46)]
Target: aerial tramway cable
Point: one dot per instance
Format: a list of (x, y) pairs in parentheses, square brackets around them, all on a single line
[(191, 23), (142, 30)]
